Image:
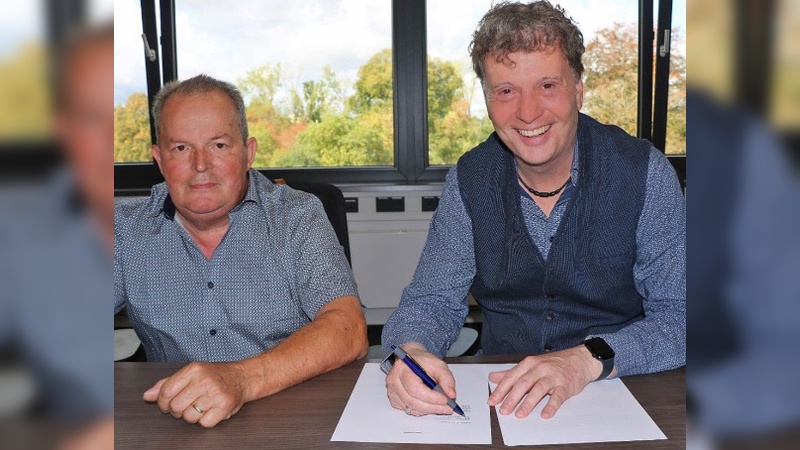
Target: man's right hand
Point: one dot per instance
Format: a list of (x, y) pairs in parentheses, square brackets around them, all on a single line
[(408, 393), (201, 392)]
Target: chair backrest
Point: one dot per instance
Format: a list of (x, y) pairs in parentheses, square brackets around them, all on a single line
[(333, 201)]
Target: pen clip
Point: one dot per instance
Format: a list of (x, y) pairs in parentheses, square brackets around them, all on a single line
[(387, 363)]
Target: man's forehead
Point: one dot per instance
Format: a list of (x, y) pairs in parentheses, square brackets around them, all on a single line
[(509, 58), (203, 97)]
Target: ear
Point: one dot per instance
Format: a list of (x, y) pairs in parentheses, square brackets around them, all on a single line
[(252, 146), (579, 94), (157, 156)]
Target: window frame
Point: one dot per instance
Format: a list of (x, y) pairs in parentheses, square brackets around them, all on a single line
[(409, 59)]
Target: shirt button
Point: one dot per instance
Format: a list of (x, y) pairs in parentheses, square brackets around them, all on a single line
[(548, 348), (213, 332), (551, 238), (211, 285), (550, 316)]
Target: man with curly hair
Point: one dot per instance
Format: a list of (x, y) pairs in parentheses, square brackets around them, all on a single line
[(570, 235)]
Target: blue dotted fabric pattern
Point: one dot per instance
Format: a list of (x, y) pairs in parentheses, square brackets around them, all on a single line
[(434, 305), (278, 264)]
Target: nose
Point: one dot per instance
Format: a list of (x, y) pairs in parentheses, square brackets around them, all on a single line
[(201, 160), (529, 107)]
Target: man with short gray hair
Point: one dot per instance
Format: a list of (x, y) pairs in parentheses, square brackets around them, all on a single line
[(220, 268)]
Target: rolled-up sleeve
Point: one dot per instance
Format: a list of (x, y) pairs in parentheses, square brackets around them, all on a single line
[(320, 265)]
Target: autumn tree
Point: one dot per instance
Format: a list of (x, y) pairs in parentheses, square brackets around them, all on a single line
[(452, 130), (132, 140), (611, 83)]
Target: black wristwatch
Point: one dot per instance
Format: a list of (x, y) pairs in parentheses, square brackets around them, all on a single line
[(603, 353)]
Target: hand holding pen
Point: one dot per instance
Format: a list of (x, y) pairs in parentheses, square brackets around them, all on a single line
[(407, 391)]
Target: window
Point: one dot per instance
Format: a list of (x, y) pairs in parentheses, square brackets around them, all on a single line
[(676, 103), (316, 77), (131, 113), (336, 90), (457, 118)]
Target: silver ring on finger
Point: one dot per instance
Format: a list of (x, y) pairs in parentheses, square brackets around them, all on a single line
[(198, 409), (408, 410)]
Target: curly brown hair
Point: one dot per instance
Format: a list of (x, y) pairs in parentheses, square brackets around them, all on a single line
[(511, 27)]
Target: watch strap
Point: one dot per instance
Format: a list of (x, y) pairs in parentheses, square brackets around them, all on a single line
[(601, 351), (608, 366)]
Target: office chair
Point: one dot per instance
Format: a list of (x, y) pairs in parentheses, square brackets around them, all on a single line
[(466, 338)]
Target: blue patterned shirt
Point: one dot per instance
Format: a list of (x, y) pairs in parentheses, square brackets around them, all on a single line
[(277, 265), (434, 306)]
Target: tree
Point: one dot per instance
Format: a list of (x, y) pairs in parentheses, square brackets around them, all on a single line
[(132, 130), (611, 78), (374, 84), (341, 131), (262, 84), (318, 98), (452, 130)]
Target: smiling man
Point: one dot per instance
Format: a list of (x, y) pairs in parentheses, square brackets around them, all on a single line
[(570, 234), (241, 278)]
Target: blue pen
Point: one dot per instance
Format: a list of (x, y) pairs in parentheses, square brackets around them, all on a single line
[(415, 367)]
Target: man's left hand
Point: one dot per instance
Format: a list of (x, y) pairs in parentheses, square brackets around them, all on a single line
[(204, 393), (561, 374)]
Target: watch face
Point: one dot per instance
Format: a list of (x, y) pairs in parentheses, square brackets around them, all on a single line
[(599, 348)]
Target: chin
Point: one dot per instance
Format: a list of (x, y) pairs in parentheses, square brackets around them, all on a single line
[(204, 206), (534, 160)]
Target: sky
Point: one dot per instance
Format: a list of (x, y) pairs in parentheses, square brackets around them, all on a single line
[(227, 39)]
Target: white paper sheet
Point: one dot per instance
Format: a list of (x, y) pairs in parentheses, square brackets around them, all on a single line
[(604, 411), (368, 416)]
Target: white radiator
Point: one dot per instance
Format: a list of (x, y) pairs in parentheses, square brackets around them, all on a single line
[(385, 246)]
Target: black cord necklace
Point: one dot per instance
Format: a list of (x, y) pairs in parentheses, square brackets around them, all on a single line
[(542, 194)]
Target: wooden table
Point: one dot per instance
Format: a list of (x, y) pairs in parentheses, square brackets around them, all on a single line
[(306, 415)]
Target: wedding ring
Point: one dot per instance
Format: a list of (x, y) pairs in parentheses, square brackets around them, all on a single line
[(408, 410), (197, 409)]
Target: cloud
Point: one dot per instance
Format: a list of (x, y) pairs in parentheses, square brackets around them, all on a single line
[(129, 73), (227, 40)]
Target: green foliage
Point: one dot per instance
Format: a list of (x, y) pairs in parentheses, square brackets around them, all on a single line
[(610, 83), (451, 129), (132, 130), (262, 84), (374, 84)]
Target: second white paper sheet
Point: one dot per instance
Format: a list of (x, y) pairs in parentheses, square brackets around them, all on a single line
[(604, 411), (368, 416)]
